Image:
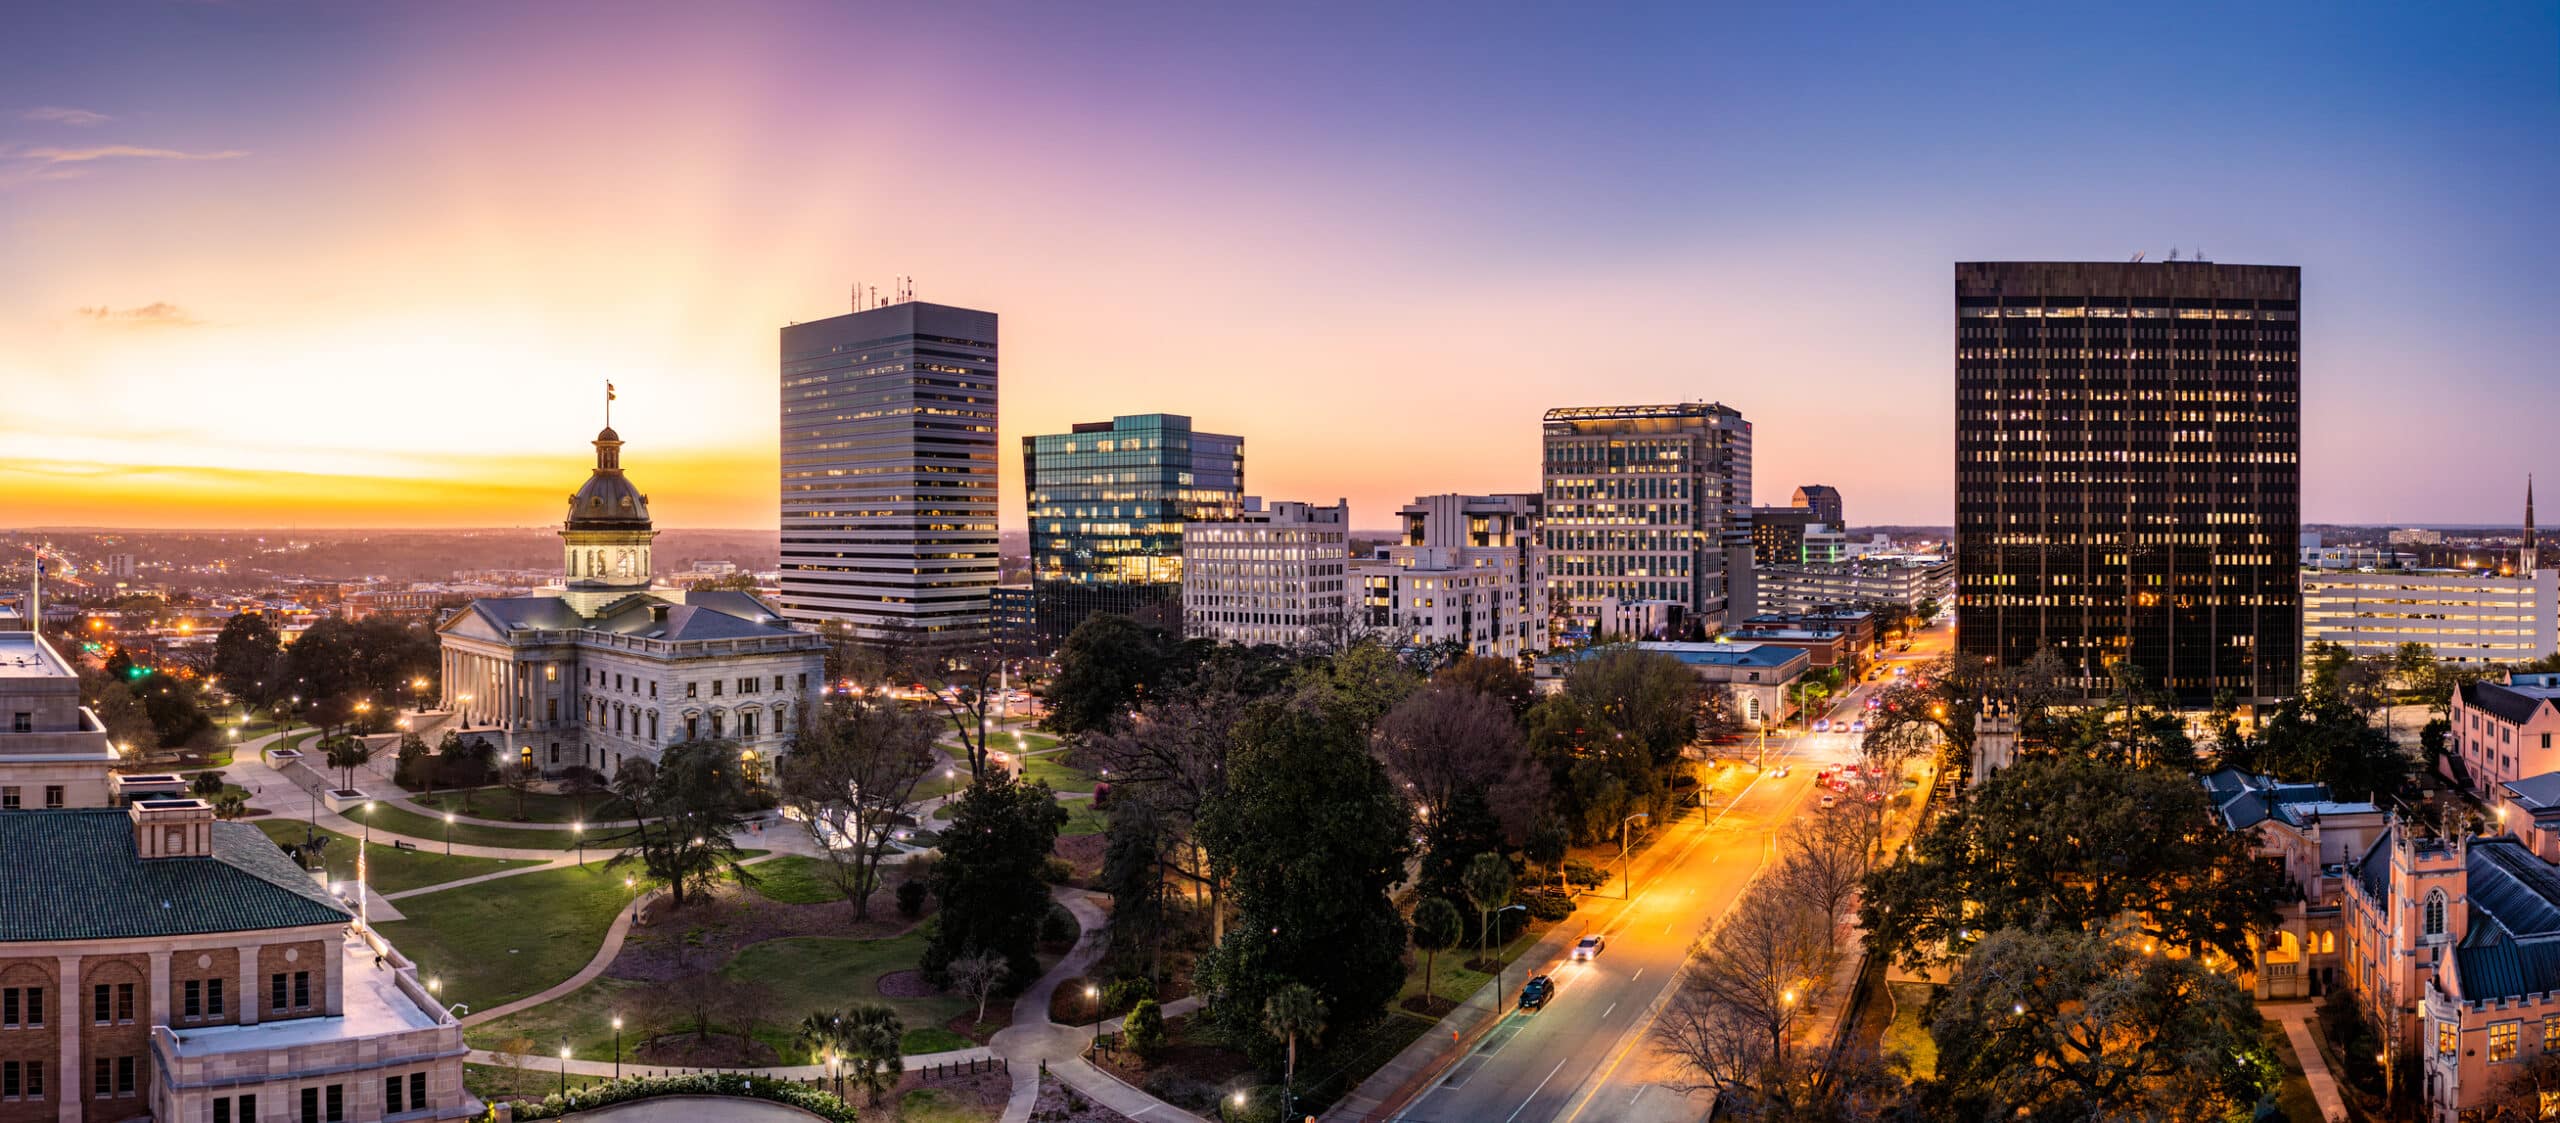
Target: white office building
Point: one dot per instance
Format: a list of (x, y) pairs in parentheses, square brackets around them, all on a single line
[(1875, 581), (2467, 616), (1275, 575), (1469, 572)]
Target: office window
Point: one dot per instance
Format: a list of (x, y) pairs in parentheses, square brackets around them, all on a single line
[(2551, 1034), (688, 690), (417, 1091), (53, 797), (22, 722), (9, 1008), (275, 991), (311, 1105), (101, 1078), (9, 800), (222, 1109), (194, 1001), (715, 688), (337, 1103), (124, 1076), (2502, 1041), (100, 1004), (391, 1095), (22, 1080), (301, 989), (124, 1002), (213, 998), (8, 1080)]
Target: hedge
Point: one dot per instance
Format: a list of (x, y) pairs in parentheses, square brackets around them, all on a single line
[(553, 1106)]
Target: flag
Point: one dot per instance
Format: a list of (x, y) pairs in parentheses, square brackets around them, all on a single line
[(608, 391)]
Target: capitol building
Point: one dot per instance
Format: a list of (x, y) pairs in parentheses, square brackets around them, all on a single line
[(610, 668)]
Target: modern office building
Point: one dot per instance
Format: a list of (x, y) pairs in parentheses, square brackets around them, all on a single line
[(1645, 503), (1777, 534), (1108, 501), (889, 471), (1467, 574), (1272, 575), (1876, 581), (1823, 501), (2128, 486)]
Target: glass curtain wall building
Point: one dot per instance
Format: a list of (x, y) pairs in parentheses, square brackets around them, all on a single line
[(1108, 501), (2128, 487), (889, 471)]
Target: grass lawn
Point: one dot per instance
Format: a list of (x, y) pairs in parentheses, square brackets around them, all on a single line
[(583, 1018), (431, 832), (2293, 1096), (497, 802), (1030, 742), (1083, 818), (826, 972), (932, 1105), (1909, 1035), (795, 879), (490, 1082), (1056, 772), (389, 870), (505, 939), (1453, 981)]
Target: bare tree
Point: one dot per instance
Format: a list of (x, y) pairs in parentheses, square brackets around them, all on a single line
[(850, 775), (977, 977), (972, 675), (695, 1000), (741, 1006), (1821, 865), (1175, 755), (1446, 739), (520, 779), (1730, 1022)]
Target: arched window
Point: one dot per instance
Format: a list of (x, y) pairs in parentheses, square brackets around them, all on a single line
[(653, 725), (2431, 917)]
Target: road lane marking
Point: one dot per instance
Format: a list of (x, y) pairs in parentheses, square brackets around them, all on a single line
[(1533, 1092), (1638, 975), (1604, 1014)]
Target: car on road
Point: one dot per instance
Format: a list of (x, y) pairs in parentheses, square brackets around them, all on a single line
[(1535, 995), (1781, 771), (1830, 801), (1858, 726), (1822, 725), (1590, 946)]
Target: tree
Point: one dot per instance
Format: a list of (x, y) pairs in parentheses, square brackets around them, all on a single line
[(2530, 1083), (2324, 739), (687, 808), (466, 762), (1138, 850), (1728, 1025), (850, 775), (520, 778), (1488, 886), (207, 784), (1167, 767), (1108, 665), (1294, 1011), (1444, 739), (977, 977), (695, 1000), (1436, 928), (2072, 843), (870, 1041), (346, 753), (413, 764), (1823, 864), (1357, 685), (988, 878), (1499, 679), (1547, 842), (127, 723), (248, 658), (1315, 837), (1144, 1029), (2064, 1023), (1646, 696)]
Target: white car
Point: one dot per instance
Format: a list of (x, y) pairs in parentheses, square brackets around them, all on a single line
[(1830, 801), (1590, 947)]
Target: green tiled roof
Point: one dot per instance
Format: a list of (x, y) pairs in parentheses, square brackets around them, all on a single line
[(73, 875)]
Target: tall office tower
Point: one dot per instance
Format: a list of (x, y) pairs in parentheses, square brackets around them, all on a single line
[(1645, 503), (889, 471), (1270, 575), (1108, 502), (1824, 501), (2128, 488)]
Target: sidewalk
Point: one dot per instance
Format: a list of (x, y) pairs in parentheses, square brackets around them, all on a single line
[(2296, 1018)]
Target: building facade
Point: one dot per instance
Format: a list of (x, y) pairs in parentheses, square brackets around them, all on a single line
[(609, 669), (2128, 485), (889, 471), (1755, 675), (2311, 837), (2465, 616), (1823, 501), (2502, 731), (1645, 503), (1877, 581), (1269, 576), (1468, 574), (1777, 535), (53, 751), (1108, 501)]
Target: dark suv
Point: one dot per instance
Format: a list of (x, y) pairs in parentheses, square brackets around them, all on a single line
[(1534, 996)]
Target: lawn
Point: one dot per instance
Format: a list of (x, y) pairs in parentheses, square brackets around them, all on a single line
[(539, 807), (1909, 1034), (431, 832), (1028, 742), (826, 972), (582, 1018), (502, 940), (491, 1082), (2293, 1096), (795, 879), (1056, 772), (388, 869), (1083, 818), (1453, 981)]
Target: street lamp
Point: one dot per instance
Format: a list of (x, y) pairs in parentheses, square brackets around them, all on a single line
[(578, 831), (448, 834), (1623, 869), (564, 1068), (364, 907), (1093, 997), (1497, 960), (617, 1046), (1237, 1099)]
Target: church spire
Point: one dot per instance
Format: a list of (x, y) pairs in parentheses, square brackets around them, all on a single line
[(2530, 557)]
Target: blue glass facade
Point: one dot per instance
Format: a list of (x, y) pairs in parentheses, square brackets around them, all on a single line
[(1108, 501)]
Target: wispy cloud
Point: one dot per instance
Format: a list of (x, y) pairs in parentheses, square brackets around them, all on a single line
[(50, 155), (158, 314), (65, 115)]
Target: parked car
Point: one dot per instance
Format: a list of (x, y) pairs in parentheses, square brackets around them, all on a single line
[(1830, 801), (1590, 946), (1858, 726), (1535, 995)]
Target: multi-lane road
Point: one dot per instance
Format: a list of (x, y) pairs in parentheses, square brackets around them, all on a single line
[(1586, 1056)]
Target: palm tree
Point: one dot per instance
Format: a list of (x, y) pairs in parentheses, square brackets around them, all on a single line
[(1435, 927), (1292, 1012), (347, 753), (1487, 881), (823, 1032), (871, 1040)]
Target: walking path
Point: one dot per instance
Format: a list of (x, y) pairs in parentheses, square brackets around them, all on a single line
[(2296, 1017)]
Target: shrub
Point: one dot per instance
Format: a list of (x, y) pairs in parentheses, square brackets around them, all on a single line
[(911, 898), (1547, 902), (1057, 871), (1145, 1029), (1127, 993), (1058, 926), (1583, 873), (1101, 795), (822, 1104)]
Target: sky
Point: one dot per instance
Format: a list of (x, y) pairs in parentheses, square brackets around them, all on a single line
[(370, 264)]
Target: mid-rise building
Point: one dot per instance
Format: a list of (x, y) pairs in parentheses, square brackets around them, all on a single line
[(1777, 534), (2501, 731), (1467, 574), (609, 668), (889, 471), (2311, 836), (120, 566), (1884, 581), (1648, 502), (1273, 575), (1823, 502), (2416, 536), (1108, 501), (2465, 616), (2128, 441), (1013, 611)]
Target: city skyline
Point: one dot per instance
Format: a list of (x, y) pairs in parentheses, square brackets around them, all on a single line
[(301, 266)]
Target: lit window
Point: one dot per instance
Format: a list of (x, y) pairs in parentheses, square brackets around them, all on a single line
[(2502, 1042)]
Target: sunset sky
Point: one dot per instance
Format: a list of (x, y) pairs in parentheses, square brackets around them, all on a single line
[(370, 264)]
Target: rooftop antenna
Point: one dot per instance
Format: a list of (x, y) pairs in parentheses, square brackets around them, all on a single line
[(2173, 254)]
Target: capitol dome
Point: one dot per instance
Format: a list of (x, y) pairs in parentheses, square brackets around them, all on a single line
[(608, 501)]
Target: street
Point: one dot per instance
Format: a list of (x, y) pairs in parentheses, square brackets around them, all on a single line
[(1585, 1055)]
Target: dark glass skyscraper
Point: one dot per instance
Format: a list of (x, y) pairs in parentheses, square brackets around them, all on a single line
[(889, 471), (1108, 501), (2128, 476)]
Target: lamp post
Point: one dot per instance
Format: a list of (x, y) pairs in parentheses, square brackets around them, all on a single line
[(617, 1046), (364, 906), (1787, 1030), (578, 831), (1623, 870), (1497, 960), (564, 1068), (448, 834), (1093, 997)]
